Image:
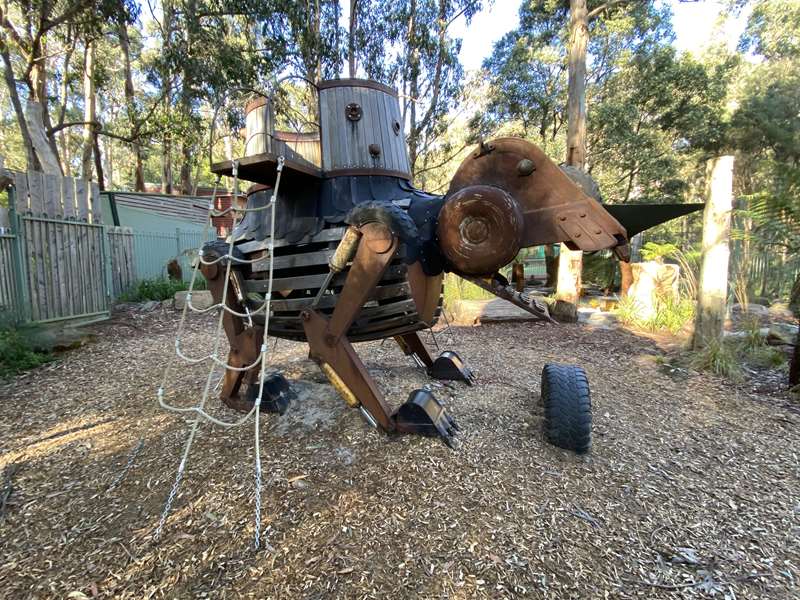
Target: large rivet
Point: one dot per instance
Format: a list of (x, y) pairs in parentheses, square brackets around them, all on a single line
[(525, 167)]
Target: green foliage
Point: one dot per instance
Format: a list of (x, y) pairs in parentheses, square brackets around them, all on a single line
[(456, 288), (753, 340), (658, 252), (600, 269), (719, 357), (157, 289), (766, 357), (19, 350), (670, 315)]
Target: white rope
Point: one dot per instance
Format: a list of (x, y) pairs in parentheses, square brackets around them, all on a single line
[(222, 213), (198, 410)]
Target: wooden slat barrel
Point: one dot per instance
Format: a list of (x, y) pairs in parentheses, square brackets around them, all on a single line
[(362, 129), (300, 269)]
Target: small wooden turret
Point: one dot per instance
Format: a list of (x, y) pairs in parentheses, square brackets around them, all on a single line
[(362, 132)]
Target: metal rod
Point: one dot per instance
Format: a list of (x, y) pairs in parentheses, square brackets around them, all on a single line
[(323, 288)]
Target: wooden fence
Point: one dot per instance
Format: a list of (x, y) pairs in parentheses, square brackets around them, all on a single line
[(58, 261), (123, 263)]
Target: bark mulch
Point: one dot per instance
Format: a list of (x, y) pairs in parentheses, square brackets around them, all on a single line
[(692, 487)]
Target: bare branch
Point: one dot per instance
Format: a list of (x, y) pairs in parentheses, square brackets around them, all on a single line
[(593, 13)]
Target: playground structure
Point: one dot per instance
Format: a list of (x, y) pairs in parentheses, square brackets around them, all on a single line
[(336, 246), (354, 252)]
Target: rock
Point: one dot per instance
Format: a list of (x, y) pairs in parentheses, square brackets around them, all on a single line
[(752, 309), (782, 333), (602, 320), (564, 312), (201, 299), (780, 310), (149, 305), (740, 335), (652, 281), (170, 303), (474, 312)]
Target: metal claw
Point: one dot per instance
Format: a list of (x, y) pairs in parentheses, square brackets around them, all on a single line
[(450, 366), (423, 414)]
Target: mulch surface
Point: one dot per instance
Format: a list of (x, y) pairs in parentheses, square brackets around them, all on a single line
[(692, 487)]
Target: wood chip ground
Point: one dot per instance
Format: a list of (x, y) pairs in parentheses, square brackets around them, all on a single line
[(692, 488)]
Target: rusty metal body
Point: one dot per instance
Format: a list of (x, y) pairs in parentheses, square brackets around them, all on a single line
[(361, 209)]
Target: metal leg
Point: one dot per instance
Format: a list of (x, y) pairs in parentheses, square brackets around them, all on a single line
[(330, 348), (412, 345)]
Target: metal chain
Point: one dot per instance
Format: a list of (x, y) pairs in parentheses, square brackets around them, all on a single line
[(168, 504), (257, 541), (131, 457)]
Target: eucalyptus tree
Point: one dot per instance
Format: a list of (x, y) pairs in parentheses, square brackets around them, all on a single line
[(28, 28)]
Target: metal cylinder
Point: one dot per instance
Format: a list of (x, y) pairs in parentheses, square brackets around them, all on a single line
[(480, 229)]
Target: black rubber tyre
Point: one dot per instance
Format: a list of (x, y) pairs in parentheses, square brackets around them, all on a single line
[(391, 215), (567, 407)]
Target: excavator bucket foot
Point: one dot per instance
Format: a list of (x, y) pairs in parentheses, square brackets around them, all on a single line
[(277, 394), (450, 366), (423, 414)]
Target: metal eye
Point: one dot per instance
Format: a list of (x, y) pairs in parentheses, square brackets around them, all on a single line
[(525, 167)]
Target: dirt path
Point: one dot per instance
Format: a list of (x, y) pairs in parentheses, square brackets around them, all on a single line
[(692, 487)]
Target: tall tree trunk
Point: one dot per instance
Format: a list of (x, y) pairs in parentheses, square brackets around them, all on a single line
[(63, 137), (39, 92), (168, 15), (166, 165), (130, 107), (98, 161), (351, 39), (570, 263), (712, 295), (31, 160), (186, 168), (89, 112)]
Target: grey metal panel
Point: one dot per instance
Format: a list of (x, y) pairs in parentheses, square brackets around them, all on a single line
[(335, 130), (291, 261), (345, 144), (382, 292), (324, 119), (396, 142), (311, 282), (326, 235), (401, 150), (358, 150), (190, 209), (344, 97), (384, 141), (390, 116)]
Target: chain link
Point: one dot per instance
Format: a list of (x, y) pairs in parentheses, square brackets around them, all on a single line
[(131, 458), (168, 504), (257, 541)]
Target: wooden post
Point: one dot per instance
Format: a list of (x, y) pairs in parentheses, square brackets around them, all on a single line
[(712, 293)]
